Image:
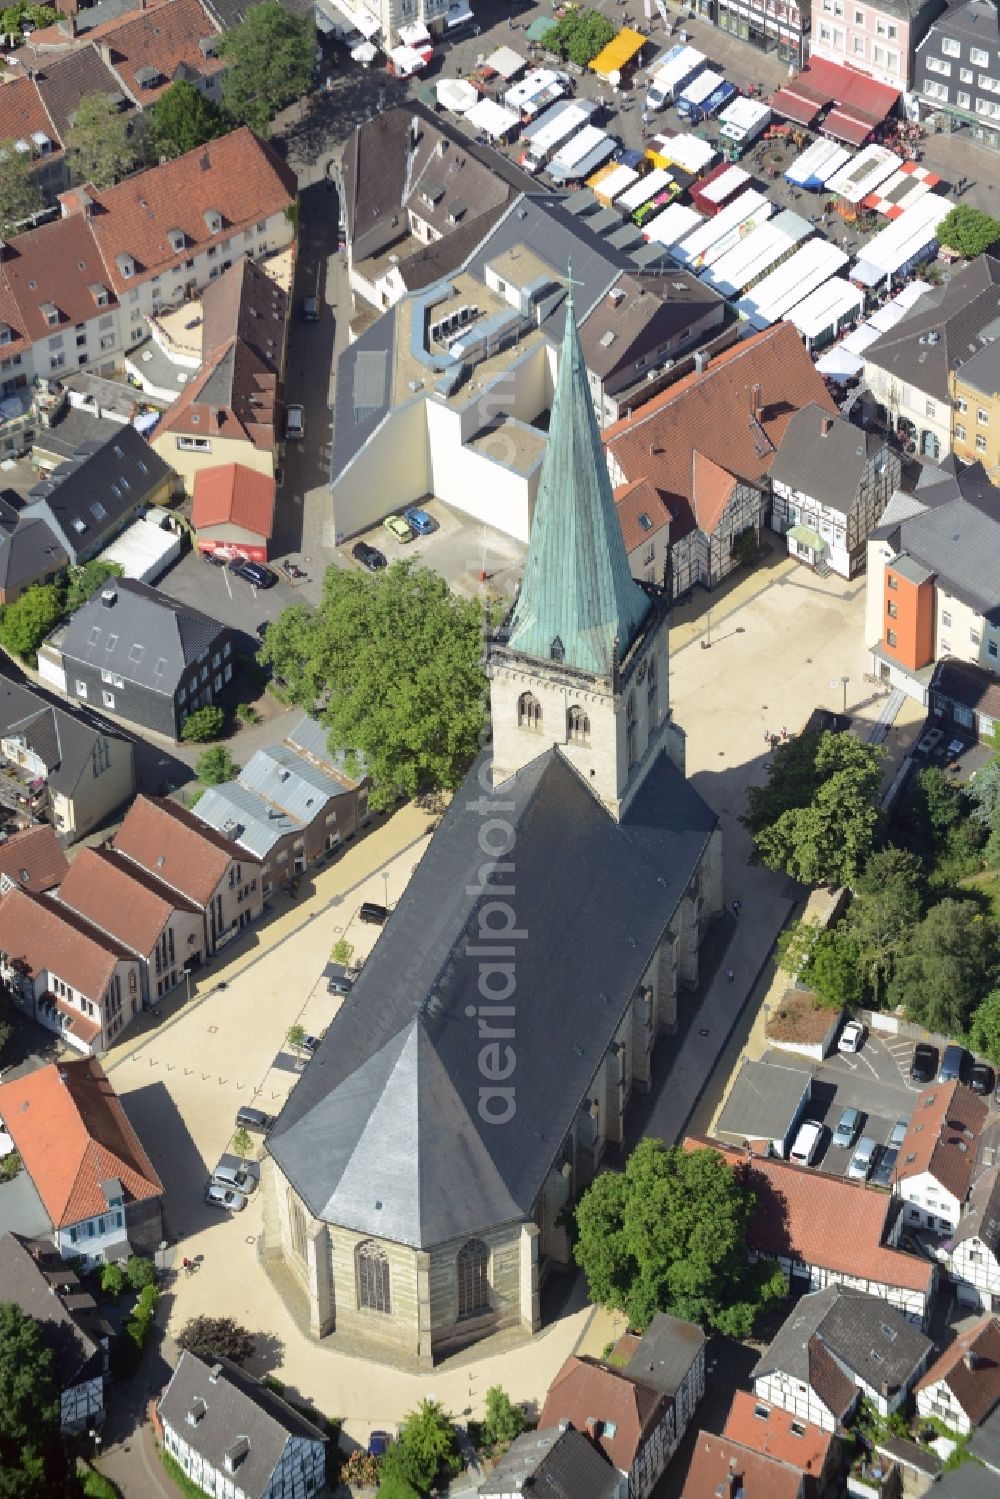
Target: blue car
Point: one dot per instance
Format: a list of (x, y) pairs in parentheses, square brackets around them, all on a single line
[(419, 520)]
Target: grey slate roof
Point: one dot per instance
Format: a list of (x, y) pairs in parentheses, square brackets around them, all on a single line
[(762, 1102), (969, 1481), (981, 1216), (666, 1352), (985, 1443), (63, 82), (30, 552), (235, 1405), (940, 331), (89, 496), (976, 21), (551, 1464), (828, 466), (282, 777), (64, 743), (982, 371), (22, 1210), (863, 1335), (962, 545), (144, 636), (69, 1324), (383, 1133), (231, 809)]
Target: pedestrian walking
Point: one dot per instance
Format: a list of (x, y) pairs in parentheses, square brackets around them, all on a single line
[(737, 907), (730, 974)]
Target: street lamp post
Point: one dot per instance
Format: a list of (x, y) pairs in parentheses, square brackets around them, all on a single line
[(845, 681)]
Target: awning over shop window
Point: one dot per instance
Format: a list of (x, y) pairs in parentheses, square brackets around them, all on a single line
[(805, 536), (843, 126), (792, 106)]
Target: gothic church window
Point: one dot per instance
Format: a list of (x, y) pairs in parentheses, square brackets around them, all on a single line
[(529, 711), (297, 1225), (473, 1265), (631, 732), (373, 1277), (578, 724), (651, 693)]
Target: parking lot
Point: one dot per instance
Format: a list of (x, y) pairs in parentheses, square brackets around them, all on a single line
[(459, 549), (225, 596)]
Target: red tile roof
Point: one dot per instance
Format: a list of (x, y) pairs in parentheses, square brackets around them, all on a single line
[(234, 395), (633, 501), (943, 1137), (711, 490), (977, 1389), (171, 843), (777, 1433), (103, 889), (711, 413), (165, 37), (238, 176), (584, 1391), (58, 264), (34, 858), (71, 1132), (822, 1220), (721, 1466), (48, 938), (22, 112), (232, 495)]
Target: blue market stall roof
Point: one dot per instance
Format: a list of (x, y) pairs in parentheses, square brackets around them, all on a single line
[(579, 602), (384, 1133)]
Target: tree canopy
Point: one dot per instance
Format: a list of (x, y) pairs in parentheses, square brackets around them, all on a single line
[(25, 623), (83, 582), (817, 816), (212, 1337), (269, 58), (503, 1420), (669, 1234), (984, 1031), (883, 913), (100, 141), (391, 665), (968, 230), (579, 36), (182, 119), (29, 1407), (203, 724), (426, 1445), (19, 194), (216, 765), (946, 967)]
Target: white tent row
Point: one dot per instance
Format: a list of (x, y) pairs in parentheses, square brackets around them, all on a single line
[(535, 83), (784, 288), (456, 95), (817, 164), (689, 152), (696, 250), (671, 225), (845, 358), (825, 310), (864, 173), (755, 254), (905, 241), (492, 119), (647, 187)]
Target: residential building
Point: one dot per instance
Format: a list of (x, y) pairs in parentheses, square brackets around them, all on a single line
[(938, 1155), (764, 1108), (25, 121), (32, 860), (447, 392), (933, 586), (823, 1230), (94, 495), (64, 79), (784, 28), (157, 925), (670, 1359), (29, 554), (974, 1260), (975, 405), (835, 1347), (97, 1184), (625, 1418), (908, 369), (230, 411), (776, 1432), (231, 1434), (233, 511), (584, 752), (962, 1387), (550, 1463), (142, 655), (70, 1326), (707, 444), (879, 39), (967, 1481), (957, 68), (966, 696), (722, 1466), (74, 773), (645, 523), (830, 483), (169, 843), (985, 1443), (291, 806), (161, 44)]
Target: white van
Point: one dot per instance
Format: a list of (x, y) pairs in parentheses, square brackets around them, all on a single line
[(806, 1143)]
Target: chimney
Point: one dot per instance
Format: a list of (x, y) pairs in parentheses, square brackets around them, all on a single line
[(590, 1427), (826, 426), (755, 406), (564, 1424), (109, 597), (971, 1360), (215, 1374), (701, 359)]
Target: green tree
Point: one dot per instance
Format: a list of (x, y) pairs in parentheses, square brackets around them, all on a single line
[(216, 765), (817, 817), (13, 17), (968, 230), (113, 1280), (140, 1272), (825, 959), (29, 1406), (504, 1420), (10, 1165), (343, 951), (395, 663), (669, 1234), (296, 1035), (883, 913), (579, 36), (242, 1144), (20, 198), (984, 1031), (216, 1337), (25, 623), (400, 1475), (429, 1444), (947, 967), (269, 58), (100, 141), (984, 794), (182, 119), (83, 582), (203, 724)]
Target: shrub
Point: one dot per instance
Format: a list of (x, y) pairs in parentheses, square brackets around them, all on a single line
[(140, 1272), (113, 1280), (202, 725)]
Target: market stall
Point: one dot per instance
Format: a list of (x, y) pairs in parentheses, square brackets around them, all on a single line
[(622, 53), (456, 95), (492, 119), (506, 62)]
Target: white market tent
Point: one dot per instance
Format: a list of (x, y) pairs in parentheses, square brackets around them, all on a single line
[(671, 225), (817, 164), (742, 117), (861, 176), (724, 186), (689, 152), (791, 283), (618, 180), (405, 61), (750, 258), (699, 89), (536, 82), (826, 309), (839, 363), (457, 95), (647, 187), (506, 62), (576, 148), (697, 249), (492, 119), (905, 241), (365, 52)]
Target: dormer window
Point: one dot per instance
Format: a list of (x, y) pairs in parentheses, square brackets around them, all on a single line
[(99, 294), (213, 220), (50, 312), (236, 1454), (177, 239), (6, 333), (208, 46), (125, 264)]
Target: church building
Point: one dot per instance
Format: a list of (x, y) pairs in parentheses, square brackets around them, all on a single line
[(481, 1067)]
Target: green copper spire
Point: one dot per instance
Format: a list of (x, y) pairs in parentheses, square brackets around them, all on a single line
[(578, 597)]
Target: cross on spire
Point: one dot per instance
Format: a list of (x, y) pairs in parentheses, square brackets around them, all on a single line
[(570, 283)]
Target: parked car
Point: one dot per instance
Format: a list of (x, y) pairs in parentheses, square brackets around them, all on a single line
[(368, 556), (851, 1037), (982, 1079), (847, 1129), (419, 520), (398, 528), (224, 1198), (373, 913), (254, 1120), (898, 1133), (954, 1064), (924, 1064), (310, 1044), (254, 573), (235, 1178), (295, 423), (863, 1159), (885, 1171), (310, 309), (806, 1143), (340, 984)]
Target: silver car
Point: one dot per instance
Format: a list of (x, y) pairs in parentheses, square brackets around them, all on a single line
[(235, 1179), (225, 1198), (863, 1159)]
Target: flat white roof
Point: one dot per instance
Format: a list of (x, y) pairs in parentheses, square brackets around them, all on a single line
[(530, 87), (724, 185), (615, 182), (811, 265), (647, 187), (671, 70), (698, 90), (830, 302), (672, 224), (579, 146), (491, 117), (710, 231), (745, 113), (689, 152), (749, 258), (862, 175), (906, 236), (555, 125), (457, 95), (143, 550)]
